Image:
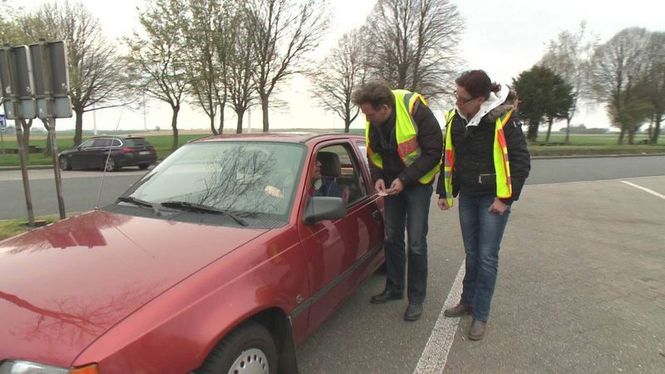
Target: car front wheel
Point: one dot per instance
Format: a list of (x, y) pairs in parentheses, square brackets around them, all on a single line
[(64, 164), (247, 349)]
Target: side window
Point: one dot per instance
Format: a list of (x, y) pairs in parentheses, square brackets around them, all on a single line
[(363, 150), (117, 143), (103, 142), (87, 143), (340, 173)]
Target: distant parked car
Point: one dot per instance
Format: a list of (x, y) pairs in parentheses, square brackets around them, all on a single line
[(221, 259), (94, 154)]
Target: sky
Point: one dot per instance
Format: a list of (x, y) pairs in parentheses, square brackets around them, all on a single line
[(503, 38)]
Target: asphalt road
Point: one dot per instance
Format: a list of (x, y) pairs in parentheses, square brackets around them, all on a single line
[(581, 286), (82, 188), (581, 289)]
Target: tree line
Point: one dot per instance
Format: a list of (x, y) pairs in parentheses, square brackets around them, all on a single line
[(238, 54), (626, 74)]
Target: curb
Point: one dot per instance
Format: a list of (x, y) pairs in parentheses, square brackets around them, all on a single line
[(30, 167), (599, 156)]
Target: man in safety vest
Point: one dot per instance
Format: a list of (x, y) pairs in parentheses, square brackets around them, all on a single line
[(486, 162), (404, 145)]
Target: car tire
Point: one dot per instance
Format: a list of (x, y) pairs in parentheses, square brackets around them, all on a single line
[(110, 165), (64, 163), (247, 349), (143, 166)]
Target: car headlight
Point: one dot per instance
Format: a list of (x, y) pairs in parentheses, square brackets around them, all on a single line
[(26, 367)]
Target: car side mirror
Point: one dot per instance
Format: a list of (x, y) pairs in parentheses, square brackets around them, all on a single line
[(320, 208)]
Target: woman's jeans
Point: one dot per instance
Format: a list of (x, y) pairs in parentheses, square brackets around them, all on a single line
[(410, 210), (482, 232)]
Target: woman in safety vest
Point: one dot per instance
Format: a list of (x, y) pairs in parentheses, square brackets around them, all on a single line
[(485, 162)]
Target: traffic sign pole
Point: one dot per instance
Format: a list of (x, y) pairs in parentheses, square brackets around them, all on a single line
[(50, 123)]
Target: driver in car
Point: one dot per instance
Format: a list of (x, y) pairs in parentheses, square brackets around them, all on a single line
[(323, 185)]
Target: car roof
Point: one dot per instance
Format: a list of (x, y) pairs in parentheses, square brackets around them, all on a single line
[(116, 137), (283, 137)]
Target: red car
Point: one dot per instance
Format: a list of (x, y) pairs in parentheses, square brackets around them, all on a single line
[(221, 259)]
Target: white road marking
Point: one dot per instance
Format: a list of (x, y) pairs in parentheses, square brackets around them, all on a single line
[(645, 189), (435, 354)]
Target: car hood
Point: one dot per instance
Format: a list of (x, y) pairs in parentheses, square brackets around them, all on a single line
[(64, 285)]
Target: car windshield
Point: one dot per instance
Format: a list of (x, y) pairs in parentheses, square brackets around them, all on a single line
[(255, 181)]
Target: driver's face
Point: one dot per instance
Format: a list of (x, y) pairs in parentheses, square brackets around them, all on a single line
[(316, 173)]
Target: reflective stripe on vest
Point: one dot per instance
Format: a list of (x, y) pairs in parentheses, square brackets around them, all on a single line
[(406, 133), (504, 187)]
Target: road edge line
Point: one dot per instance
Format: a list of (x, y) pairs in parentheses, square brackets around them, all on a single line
[(645, 189), (435, 354)]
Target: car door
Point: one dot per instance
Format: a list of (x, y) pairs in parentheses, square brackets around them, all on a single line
[(99, 152), (77, 159), (337, 250)]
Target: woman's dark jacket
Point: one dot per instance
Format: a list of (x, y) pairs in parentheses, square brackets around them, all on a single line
[(473, 172)]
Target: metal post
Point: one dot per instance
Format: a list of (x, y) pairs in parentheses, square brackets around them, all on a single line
[(9, 62), (50, 124), (24, 165)]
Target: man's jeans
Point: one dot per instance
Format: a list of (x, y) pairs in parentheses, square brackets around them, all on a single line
[(482, 232), (410, 210)]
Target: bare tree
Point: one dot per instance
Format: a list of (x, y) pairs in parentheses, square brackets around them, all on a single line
[(616, 67), (156, 61), (93, 65), (282, 33), (240, 83), (209, 41), (413, 44), (339, 74), (568, 56), (653, 83)]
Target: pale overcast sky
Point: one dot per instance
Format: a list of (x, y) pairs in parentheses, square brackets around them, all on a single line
[(502, 37)]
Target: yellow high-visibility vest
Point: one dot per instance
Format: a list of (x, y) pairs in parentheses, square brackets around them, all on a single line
[(504, 187), (406, 132)]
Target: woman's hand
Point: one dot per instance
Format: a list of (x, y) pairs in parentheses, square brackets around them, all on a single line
[(498, 207)]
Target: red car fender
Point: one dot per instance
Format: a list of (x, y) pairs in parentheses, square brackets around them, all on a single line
[(275, 282)]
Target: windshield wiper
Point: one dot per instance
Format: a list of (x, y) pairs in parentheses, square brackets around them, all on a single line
[(139, 202), (199, 208)]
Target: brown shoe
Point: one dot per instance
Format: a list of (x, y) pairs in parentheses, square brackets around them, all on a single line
[(477, 330), (457, 311)]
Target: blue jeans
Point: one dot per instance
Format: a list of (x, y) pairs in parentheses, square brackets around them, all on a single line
[(482, 232), (409, 210)]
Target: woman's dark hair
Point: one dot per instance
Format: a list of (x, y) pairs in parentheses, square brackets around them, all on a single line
[(477, 83), (376, 93)]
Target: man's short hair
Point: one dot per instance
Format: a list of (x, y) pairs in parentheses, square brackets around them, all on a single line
[(376, 93)]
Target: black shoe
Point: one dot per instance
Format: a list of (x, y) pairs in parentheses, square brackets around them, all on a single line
[(413, 312), (385, 296)]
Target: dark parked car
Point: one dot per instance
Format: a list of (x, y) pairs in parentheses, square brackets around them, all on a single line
[(94, 154), (221, 259)]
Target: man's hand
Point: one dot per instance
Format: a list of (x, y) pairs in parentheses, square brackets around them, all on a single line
[(498, 207), (443, 204), (380, 187), (396, 187)]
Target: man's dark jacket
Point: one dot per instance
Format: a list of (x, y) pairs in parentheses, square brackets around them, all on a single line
[(473, 172), (383, 141)]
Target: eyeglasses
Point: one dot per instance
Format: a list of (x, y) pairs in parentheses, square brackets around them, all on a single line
[(462, 100)]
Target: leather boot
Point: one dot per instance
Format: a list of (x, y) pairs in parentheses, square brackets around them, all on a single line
[(386, 296), (457, 311), (413, 312), (477, 330)]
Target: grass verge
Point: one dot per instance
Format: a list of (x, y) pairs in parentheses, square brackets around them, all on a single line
[(11, 227)]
